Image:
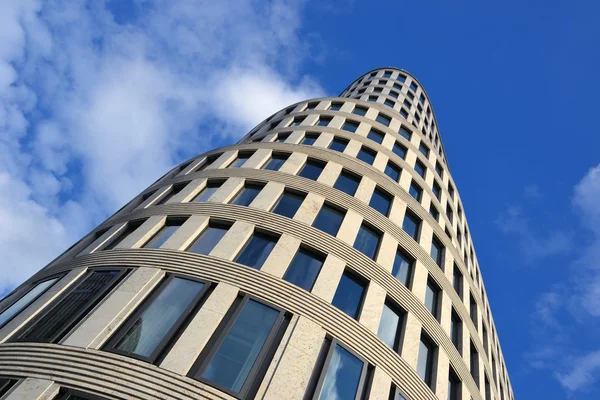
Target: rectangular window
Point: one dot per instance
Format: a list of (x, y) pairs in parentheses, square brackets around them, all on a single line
[(172, 192), (349, 294), (350, 126), (387, 74), (381, 201), (484, 333), (473, 310), (413, 86), (390, 325), (209, 238), (329, 219), (164, 233), (383, 119), (367, 155), (210, 189), (312, 169), (358, 110), (420, 168), (393, 94), (375, 136), (451, 191), (405, 133), (415, 191), (324, 121), (335, 106), (403, 267), (434, 212), (426, 359), (276, 161), (399, 150), (424, 150), (311, 106), (449, 213), (338, 144), (457, 281), (404, 113), (411, 225), (439, 169), (236, 356), (288, 204), (432, 298), (488, 391), (393, 171), (437, 252), (456, 331), (25, 300), (437, 190), (475, 364), (247, 194), (389, 103), (147, 332), (367, 241), (347, 183), (240, 160), (257, 250), (304, 269), (454, 386), (53, 324), (407, 103), (372, 99), (310, 139)]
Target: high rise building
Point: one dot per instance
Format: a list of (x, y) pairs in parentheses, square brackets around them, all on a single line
[(325, 255)]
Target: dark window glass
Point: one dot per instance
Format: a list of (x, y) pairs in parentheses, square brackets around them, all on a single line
[(393, 94), (401, 78), (146, 332), (335, 106), (54, 323), (276, 161), (329, 219), (387, 74), (456, 331), (288, 204), (71, 394), (338, 145), (457, 281), (426, 359), (208, 239), (404, 132), (399, 150), (367, 241), (375, 136), (484, 334), (350, 126), (131, 226), (407, 103), (432, 292), (454, 386), (312, 169), (437, 252), (411, 225), (257, 250), (404, 113), (304, 269), (6, 384), (413, 86), (389, 103), (434, 212), (164, 233), (488, 391), (359, 111), (296, 121), (324, 121), (240, 160), (309, 139), (349, 294), (174, 190), (36, 291), (247, 195), (415, 191), (282, 137), (382, 119), (372, 98), (449, 213), (347, 183), (474, 364), (393, 171), (473, 310), (367, 155), (420, 168), (209, 190), (402, 268), (390, 325), (410, 95), (311, 106), (437, 191), (439, 169), (381, 201)]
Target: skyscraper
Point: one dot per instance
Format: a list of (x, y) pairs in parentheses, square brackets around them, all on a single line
[(325, 255)]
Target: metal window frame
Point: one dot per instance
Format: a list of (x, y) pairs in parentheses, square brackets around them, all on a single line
[(170, 221), (292, 193), (351, 176), (430, 367), (312, 252), (127, 230), (437, 300), (411, 267), (247, 185), (367, 226), (6, 384), (400, 329), (359, 279), (418, 223), (384, 194), (336, 209), (258, 232), (212, 223)]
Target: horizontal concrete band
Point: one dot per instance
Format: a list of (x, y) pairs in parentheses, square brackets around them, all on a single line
[(300, 302)]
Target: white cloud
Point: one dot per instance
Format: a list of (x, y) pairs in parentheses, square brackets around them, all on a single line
[(92, 111), (584, 372)]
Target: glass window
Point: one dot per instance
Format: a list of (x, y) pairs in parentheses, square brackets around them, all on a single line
[(276, 161), (164, 233), (350, 126), (375, 136), (60, 317), (393, 94), (454, 386), (457, 281), (439, 169), (437, 190), (407, 103), (335, 106), (426, 359), (16, 307), (207, 192), (309, 139), (147, 332), (288, 204), (389, 103), (393, 171), (312, 169), (473, 309), (402, 268), (390, 325), (437, 252), (381, 201), (449, 213), (387, 74), (240, 160), (209, 238), (432, 292), (329, 219), (367, 155), (324, 121), (367, 241), (304, 269), (411, 225), (349, 294), (257, 249), (413, 86), (247, 195), (456, 331), (372, 99), (347, 183), (399, 150), (358, 110), (383, 119), (311, 106), (434, 212), (174, 190), (282, 137), (401, 78), (405, 133), (420, 168), (474, 364), (488, 391), (404, 113), (415, 191), (338, 144)]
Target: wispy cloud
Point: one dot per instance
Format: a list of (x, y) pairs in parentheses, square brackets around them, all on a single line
[(96, 103)]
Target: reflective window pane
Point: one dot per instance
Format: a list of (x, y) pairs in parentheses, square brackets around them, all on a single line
[(338, 145), (381, 201), (309, 140), (304, 269), (163, 234), (239, 161), (399, 150), (26, 300), (389, 326), (312, 170), (431, 298), (205, 193), (275, 162), (366, 155), (393, 171), (257, 250), (402, 268), (329, 219), (375, 136), (288, 204), (367, 241), (411, 224), (347, 183), (208, 239), (415, 191), (246, 195), (343, 374), (425, 360), (348, 295)]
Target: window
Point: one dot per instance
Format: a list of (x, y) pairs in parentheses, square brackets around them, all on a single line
[(164, 233), (209, 238), (405, 133), (402, 268), (329, 219), (383, 119), (451, 191), (404, 113), (393, 94), (312, 169), (449, 213), (389, 103), (415, 191), (235, 357), (399, 150), (349, 294), (474, 364), (207, 162), (437, 190), (335, 106), (390, 325), (437, 252), (70, 394), (324, 121), (347, 183), (350, 126), (426, 359), (473, 310), (240, 160), (432, 298), (338, 144), (396, 394), (381, 201), (393, 171), (148, 331), (282, 137), (407, 103), (311, 106), (358, 110), (52, 324), (304, 269), (310, 139), (457, 281), (375, 136), (339, 374), (484, 334), (373, 99), (387, 74), (434, 212), (420, 168), (456, 331), (401, 78), (17, 306), (454, 386), (367, 241), (411, 225), (210, 189), (424, 149), (257, 249), (488, 391), (367, 155), (439, 169), (296, 121), (178, 187), (413, 86), (276, 161), (247, 194), (288, 204)]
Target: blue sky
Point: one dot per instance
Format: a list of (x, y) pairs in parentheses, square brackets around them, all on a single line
[(98, 99)]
